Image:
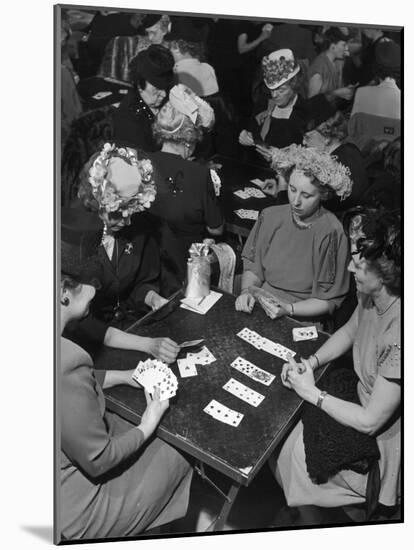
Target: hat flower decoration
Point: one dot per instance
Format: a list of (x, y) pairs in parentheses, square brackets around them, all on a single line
[(279, 67), (117, 164), (320, 165)]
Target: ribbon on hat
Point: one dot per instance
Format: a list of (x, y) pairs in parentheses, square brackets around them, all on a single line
[(182, 100)]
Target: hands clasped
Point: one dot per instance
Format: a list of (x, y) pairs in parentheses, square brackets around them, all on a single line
[(297, 376)]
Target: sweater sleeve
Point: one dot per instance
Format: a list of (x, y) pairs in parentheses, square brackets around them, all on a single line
[(252, 251), (85, 438), (389, 360)]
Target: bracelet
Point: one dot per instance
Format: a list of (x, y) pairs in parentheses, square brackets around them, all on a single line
[(321, 397), (292, 312), (317, 361)]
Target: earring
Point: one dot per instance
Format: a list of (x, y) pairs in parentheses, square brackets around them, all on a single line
[(64, 301)]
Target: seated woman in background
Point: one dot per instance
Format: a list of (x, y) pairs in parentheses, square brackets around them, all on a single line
[(114, 185), (373, 334), (187, 45), (114, 480), (151, 72), (330, 137), (186, 197), (298, 252)]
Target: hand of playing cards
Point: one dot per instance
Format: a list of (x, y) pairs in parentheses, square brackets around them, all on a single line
[(268, 301), (152, 374)]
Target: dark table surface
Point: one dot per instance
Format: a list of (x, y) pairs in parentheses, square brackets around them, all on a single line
[(237, 452), (235, 175), (88, 87)]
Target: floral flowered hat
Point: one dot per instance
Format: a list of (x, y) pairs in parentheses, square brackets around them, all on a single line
[(121, 182), (320, 165), (279, 67)]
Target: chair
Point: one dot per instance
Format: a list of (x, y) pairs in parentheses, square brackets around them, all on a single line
[(87, 135), (364, 130)]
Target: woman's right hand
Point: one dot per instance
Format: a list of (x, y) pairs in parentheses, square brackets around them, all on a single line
[(153, 413), (245, 302), (164, 349), (246, 138)]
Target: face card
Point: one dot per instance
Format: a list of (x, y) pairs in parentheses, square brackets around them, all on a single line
[(223, 414), (304, 333), (252, 371), (186, 368), (243, 392)]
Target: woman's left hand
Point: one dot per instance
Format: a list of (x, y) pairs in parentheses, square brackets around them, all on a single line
[(157, 301), (298, 376)]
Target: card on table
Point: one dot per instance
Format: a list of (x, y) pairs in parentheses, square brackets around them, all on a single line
[(304, 333), (243, 392), (276, 349), (101, 95), (220, 412), (240, 193), (186, 367), (247, 214), (259, 183), (253, 192), (252, 371), (201, 305), (251, 337), (202, 357)]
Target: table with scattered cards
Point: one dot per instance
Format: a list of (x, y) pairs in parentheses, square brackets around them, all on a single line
[(242, 199), (237, 373)]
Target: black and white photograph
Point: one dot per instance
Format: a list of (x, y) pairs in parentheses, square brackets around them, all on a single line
[(229, 192), (224, 271)]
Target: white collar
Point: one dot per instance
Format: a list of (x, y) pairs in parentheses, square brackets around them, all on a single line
[(284, 112)]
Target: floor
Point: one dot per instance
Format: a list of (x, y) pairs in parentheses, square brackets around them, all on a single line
[(259, 506)]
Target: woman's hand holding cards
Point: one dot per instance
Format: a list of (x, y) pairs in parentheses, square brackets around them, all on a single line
[(164, 349), (153, 413)]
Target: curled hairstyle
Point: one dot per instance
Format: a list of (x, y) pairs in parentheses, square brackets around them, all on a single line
[(378, 240), (335, 127), (195, 49), (187, 133), (332, 36)]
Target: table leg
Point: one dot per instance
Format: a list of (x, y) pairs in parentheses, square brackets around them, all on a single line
[(226, 508)]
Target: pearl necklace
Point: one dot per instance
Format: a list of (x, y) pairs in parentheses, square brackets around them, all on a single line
[(388, 307), (301, 224)]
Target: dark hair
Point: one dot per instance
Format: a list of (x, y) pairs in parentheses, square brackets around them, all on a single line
[(336, 127), (195, 49), (381, 72), (392, 158), (380, 245), (85, 188), (68, 283), (332, 36)]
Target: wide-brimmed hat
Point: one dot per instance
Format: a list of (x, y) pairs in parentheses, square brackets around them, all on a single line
[(388, 54), (150, 19), (279, 67), (184, 29), (81, 234), (156, 65)]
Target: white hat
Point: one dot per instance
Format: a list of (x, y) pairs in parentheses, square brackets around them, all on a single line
[(279, 67)]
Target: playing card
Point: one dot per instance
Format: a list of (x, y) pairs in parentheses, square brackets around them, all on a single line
[(259, 183), (243, 392), (186, 367), (251, 337), (276, 349), (152, 374), (240, 193), (203, 357), (252, 192), (252, 371), (223, 414), (304, 333), (101, 95), (192, 343), (241, 213)]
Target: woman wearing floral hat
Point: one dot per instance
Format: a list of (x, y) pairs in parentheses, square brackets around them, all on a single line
[(298, 252), (186, 196), (115, 185)]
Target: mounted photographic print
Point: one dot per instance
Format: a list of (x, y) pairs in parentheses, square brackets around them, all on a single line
[(228, 199)]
